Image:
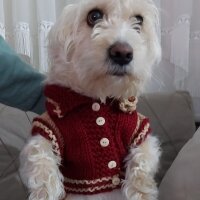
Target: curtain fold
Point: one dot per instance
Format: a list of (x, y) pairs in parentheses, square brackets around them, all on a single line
[(2, 22), (46, 16), (180, 50)]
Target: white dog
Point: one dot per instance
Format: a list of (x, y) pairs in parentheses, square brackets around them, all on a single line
[(91, 143)]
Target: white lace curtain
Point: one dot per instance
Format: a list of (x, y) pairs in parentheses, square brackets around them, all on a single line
[(26, 23), (180, 39)]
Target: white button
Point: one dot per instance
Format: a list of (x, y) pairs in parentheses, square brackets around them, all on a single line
[(104, 142), (116, 180), (100, 121), (112, 164), (95, 107)]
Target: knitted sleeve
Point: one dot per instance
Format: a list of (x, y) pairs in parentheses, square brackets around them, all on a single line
[(142, 130), (45, 126)]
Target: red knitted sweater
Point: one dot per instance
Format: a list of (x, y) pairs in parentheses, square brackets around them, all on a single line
[(92, 138)]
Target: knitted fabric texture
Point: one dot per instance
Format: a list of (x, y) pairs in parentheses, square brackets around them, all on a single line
[(92, 138)]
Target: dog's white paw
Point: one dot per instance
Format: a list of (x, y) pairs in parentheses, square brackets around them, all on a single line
[(142, 164), (39, 194), (144, 187), (40, 170)]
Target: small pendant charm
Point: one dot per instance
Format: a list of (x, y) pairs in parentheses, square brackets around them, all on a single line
[(128, 105)]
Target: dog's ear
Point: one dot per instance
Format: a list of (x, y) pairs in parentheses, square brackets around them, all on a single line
[(61, 36)]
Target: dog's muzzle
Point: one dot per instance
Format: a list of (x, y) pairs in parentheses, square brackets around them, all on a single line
[(120, 53)]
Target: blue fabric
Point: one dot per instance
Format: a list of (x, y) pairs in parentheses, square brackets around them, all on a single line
[(21, 86)]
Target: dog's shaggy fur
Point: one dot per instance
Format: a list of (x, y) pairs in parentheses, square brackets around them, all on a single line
[(79, 61)]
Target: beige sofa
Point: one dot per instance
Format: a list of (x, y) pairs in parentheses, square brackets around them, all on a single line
[(171, 118)]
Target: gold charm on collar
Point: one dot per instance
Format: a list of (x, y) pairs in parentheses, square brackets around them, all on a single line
[(128, 105)]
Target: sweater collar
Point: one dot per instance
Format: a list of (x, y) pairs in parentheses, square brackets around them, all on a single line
[(61, 100)]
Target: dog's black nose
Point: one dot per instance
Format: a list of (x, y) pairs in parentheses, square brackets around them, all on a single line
[(121, 53)]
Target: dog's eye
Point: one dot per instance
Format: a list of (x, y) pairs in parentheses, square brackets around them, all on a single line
[(137, 22), (94, 16), (139, 19)]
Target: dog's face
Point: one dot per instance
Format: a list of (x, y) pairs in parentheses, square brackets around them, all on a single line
[(104, 48)]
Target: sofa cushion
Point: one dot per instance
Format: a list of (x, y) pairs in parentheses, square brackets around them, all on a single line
[(172, 120), (15, 126)]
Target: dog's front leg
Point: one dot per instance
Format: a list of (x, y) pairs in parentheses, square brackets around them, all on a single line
[(141, 166), (40, 170)]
